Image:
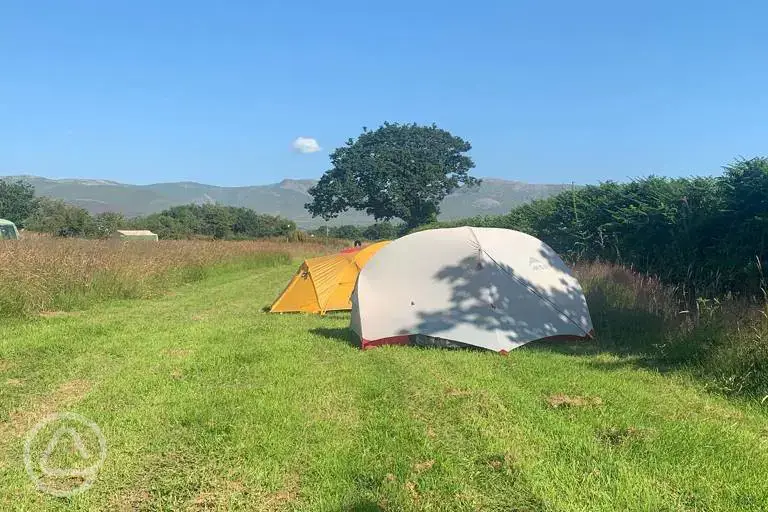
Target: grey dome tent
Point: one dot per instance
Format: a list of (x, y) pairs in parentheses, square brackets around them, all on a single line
[(491, 288)]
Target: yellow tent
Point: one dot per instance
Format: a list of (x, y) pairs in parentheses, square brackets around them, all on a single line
[(324, 283)]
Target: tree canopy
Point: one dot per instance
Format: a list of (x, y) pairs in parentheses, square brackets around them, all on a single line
[(398, 171), (60, 219), (215, 221), (17, 201), (19, 204)]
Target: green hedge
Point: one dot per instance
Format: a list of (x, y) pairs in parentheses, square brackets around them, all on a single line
[(707, 234)]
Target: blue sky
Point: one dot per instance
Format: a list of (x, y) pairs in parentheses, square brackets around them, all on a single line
[(216, 92)]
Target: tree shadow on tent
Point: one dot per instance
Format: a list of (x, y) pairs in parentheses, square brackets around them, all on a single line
[(643, 330), (640, 326), (340, 334), (478, 298)]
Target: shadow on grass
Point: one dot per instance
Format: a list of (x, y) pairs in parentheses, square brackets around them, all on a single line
[(629, 329), (642, 330), (340, 334), (648, 326), (347, 336), (363, 506)]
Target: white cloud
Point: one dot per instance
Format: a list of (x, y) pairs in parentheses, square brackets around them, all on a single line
[(306, 145)]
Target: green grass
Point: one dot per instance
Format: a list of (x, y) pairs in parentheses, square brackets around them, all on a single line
[(207, 402)]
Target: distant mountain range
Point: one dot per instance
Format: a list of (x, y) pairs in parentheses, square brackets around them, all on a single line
[(286, 198)]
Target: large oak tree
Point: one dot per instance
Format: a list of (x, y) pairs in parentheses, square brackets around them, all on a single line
[(398, 171)]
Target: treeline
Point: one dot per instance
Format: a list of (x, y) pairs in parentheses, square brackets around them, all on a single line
[(214, 221), (374, 232), (19, 204), (708, 234)]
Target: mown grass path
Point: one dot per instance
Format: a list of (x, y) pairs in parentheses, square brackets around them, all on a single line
[(207, 402)]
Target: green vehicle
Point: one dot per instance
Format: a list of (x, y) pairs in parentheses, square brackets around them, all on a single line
[(8, 230)]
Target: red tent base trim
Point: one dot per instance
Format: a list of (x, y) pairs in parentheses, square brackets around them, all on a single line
[(394, 340)]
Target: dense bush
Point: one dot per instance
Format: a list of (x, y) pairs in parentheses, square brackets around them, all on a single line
[(374, 232), (721, 341), (708, 235), (214, 221), (380, 231), (60, 219), (17, 201)]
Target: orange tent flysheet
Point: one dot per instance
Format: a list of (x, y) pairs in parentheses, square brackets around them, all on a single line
[(325, 283)]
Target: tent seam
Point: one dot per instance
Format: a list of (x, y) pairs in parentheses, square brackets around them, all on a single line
[(482, 251), (533, 291), (477, 240), (320, 306)]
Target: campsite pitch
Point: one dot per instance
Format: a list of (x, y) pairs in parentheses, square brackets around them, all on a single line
[(206, 402)]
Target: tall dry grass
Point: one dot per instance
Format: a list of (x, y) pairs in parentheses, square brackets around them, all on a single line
[(723, 340), (41, 273)]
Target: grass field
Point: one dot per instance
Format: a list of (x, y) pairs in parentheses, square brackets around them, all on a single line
[(206, 402)]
